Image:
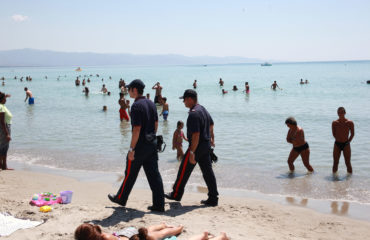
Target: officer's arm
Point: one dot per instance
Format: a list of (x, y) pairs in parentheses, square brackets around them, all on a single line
[(194, 141), (212, 135), (155, 126), (135, 136)]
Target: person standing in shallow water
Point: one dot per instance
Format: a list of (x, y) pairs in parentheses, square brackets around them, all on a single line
[(29, 96), (341, 128), (5, 138), (295, 136)]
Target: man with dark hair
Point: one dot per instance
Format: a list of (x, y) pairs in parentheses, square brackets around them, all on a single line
[(143, 149), (341, 128), (201, 137), (158, 92), (165, 109), (296, 137), (29, 96)]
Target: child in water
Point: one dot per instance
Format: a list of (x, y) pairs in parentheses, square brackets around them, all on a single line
[(178, 135)]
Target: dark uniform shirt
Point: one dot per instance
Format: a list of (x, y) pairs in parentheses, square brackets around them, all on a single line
[(144, 114), (199, 120)]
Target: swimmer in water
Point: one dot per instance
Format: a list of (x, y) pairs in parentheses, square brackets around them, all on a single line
[(246, 87), (221, 82), (274, 86)]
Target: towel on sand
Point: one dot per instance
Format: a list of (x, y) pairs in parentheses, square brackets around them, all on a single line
[(10, 224)]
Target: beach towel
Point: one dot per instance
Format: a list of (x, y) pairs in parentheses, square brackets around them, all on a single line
[(10, 224), (170, 238)]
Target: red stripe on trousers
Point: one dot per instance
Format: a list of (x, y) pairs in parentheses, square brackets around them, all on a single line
[(182, 174), (124, 182)]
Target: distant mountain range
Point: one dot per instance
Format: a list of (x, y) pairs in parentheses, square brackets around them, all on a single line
[(33, 57)]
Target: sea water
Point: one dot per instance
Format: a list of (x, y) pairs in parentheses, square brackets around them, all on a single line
[(64, 129)]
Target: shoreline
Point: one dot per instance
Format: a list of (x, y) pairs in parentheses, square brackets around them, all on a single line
[(353, 210), (240, 218)]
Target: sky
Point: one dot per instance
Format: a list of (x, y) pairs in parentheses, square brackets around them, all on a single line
[(284, 30)]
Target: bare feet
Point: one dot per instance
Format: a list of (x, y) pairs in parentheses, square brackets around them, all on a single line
[(222, 236)]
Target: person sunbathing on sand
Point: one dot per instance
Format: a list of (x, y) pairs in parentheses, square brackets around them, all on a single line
[(89, 231)]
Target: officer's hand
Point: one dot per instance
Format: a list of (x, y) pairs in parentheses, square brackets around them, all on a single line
[(192, 158), (131, 156), (213, 143)]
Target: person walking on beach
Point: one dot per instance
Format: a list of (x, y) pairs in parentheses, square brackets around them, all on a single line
[(123, 106), (341, 128), (143, 149), (5, 137), (177, 138), (158, 92), (295, 136), (29, 96), (195, 84), (201, 137)]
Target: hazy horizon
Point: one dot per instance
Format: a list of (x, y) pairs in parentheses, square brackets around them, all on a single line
[(273, 30)]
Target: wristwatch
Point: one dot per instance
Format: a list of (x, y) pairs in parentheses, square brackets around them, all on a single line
[(131, 149)]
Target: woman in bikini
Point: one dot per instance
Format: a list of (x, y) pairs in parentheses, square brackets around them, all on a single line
[(89, 231), (295, 136)]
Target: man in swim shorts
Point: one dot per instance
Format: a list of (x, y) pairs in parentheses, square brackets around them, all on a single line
[(29, 96), (295, 136), (165, 109), (341, 128), (158, 92)]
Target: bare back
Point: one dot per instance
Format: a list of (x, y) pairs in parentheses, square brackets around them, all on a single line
[(29, 93)]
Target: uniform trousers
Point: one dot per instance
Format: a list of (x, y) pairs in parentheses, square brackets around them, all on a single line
[(202, 157), (146, 155)]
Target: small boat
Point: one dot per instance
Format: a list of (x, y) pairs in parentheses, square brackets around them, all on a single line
[(266, 64), (78, 69)]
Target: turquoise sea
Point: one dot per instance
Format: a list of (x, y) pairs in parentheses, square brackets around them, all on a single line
[(66, 130)]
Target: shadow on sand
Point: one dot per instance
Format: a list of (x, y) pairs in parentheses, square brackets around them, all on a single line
[(124, 214)]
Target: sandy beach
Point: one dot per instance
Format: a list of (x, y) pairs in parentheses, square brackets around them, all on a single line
[(240, 218)]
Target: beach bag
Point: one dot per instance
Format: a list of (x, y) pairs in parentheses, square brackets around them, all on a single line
[(161, 145)]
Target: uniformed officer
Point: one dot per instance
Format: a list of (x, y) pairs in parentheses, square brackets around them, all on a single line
[(200, 134), (143, 149)]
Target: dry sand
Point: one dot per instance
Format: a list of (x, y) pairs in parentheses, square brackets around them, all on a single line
[(240, 218)]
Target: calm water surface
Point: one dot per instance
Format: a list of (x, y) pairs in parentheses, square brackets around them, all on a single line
[(65, 129)]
